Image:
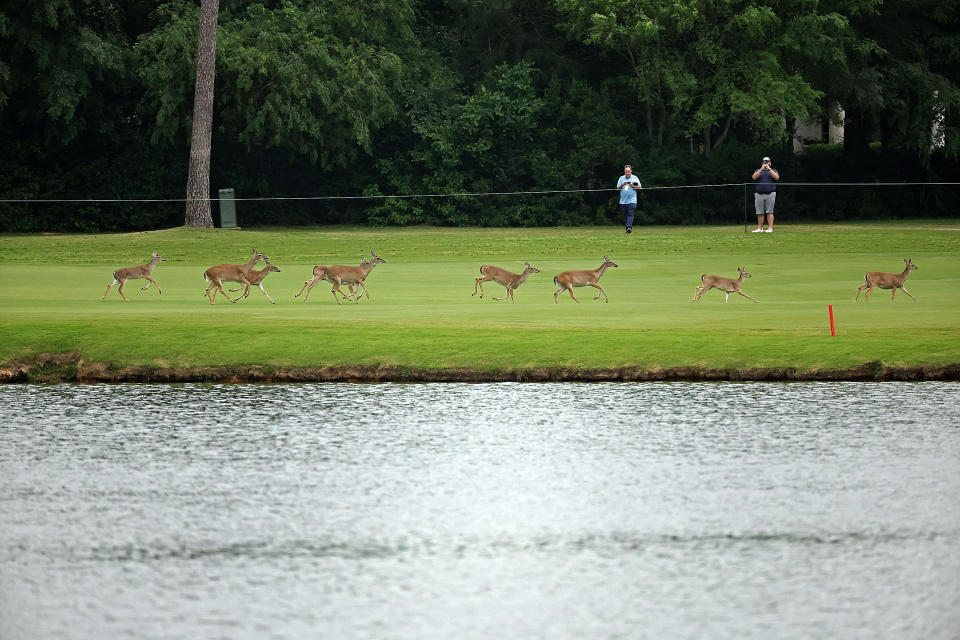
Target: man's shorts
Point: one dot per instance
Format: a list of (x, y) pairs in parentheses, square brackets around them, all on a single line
[(763, 202)]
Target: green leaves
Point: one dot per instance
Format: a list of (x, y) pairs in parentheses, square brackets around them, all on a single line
[(705, 65), (317, 80)]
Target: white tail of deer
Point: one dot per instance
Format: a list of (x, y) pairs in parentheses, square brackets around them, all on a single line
[(256, 277), (894, 281), (508, 279), (340, 274), (229, 273), (727, 285), (133, 273), (570, 279)]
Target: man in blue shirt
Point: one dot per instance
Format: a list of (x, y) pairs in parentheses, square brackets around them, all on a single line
[(766, 196), (628, 185)]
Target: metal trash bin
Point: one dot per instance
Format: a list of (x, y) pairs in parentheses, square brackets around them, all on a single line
[(228, 209)]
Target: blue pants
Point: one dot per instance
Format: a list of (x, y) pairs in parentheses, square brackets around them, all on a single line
[(627, 210)]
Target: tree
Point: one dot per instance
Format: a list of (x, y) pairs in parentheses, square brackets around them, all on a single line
[(61, 61), (915, 86), (701, 67), (316, 79), (198, 174)]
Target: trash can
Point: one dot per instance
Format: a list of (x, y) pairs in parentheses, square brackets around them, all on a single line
[(228, 209)]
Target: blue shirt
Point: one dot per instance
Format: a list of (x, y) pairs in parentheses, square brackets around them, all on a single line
[(627, 195), (766, 183)]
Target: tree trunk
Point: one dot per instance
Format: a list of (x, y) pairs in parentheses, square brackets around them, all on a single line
[(198, 177), (723, 133)]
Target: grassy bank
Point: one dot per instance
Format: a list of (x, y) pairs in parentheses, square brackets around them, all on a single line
[(421, 314)]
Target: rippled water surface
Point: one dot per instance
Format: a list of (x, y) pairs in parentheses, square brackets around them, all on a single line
[(480, 511)]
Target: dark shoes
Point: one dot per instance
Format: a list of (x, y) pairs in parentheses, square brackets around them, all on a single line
[(629, 229)]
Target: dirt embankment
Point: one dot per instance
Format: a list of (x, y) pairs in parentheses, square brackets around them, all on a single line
[(71, 367)]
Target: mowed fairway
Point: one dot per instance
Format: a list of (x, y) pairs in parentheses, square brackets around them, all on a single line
[(421, 313)]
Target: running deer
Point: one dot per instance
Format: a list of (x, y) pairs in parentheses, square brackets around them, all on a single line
[(570, 279), (727, 285), (256, 277), (319, 273), (133, 273), (894, 281), (501, 276), (340, 274), (230, 273)]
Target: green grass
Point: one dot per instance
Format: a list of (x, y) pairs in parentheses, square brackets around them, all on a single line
[(422, 314)]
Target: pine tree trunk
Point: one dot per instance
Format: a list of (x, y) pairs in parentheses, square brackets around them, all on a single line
[(198, 178)]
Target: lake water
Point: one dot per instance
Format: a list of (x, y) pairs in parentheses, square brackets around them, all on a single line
[(660, 510)]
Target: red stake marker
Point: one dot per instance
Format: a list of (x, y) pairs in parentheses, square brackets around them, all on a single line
[(833, 333)]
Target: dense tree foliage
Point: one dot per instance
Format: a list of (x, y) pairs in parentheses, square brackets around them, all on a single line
[(412, 97)]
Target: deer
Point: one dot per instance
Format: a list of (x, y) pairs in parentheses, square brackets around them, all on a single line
[(874, 279), (134, 273), (501, 276), (570, 279), (319, 273), (256, 277), (727, 285), (340, 274), (231, 273)]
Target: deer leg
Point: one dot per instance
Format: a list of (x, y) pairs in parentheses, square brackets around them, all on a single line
[(219, 287), (745, 295), (507, 293), (212, 291), (908, 293), (246, 288), (120, 290), (479, 284), (266, 294), (361, 291), (308, 285), (700, 290), (115, 281), (570, 289), (149, 279), (336, 289), (866, 294), (602, 292)]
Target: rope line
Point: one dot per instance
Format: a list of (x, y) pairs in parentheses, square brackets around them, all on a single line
[(478, 194)]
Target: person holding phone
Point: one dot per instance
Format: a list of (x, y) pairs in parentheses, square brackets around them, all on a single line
[(766, 196), (628, 185)]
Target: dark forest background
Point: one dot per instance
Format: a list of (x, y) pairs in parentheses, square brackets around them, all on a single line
[(387, 97)]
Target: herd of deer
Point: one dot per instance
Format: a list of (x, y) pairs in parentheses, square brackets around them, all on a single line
[(355, 276)]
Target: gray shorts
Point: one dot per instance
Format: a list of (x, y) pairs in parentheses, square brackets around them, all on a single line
[(763, 202)]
